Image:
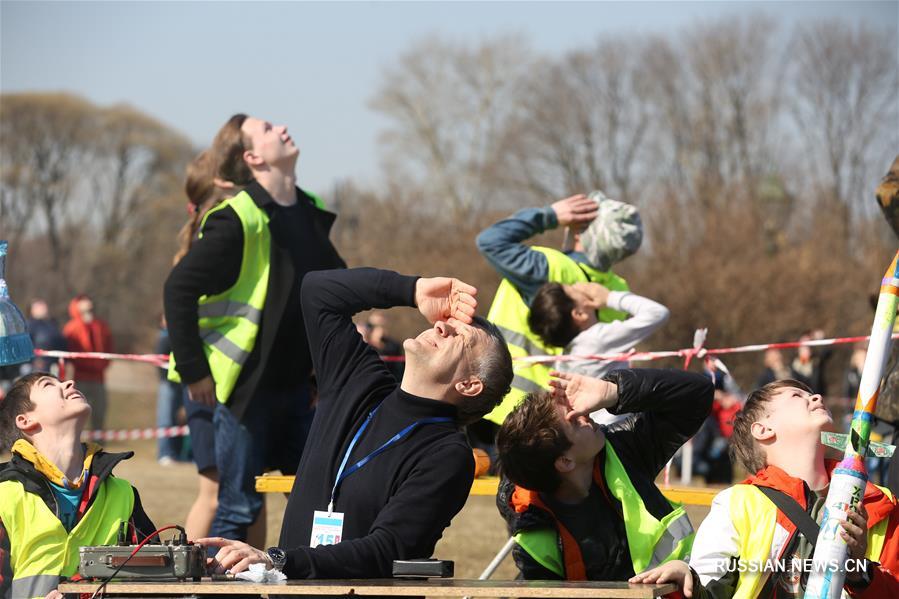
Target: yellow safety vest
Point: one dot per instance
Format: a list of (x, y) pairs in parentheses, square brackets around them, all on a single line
[(509, 312), (41, 551), (755, 520), (651, 542), (229, 321)]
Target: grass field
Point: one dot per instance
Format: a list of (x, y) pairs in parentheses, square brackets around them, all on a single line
[(472, 540)]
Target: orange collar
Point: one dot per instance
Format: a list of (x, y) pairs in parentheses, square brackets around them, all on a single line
[(878, 504)]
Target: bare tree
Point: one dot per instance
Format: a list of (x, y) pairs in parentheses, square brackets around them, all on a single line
[(548, 161), (449, 106), (16, 211), (670, 143), (716, 107), (137, 161), (135, 158), (93, 196), (44, 139), (737, 95), (843, 83), (583, 121)]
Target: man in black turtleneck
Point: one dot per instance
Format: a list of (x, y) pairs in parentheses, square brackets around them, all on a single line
[(396, 504)]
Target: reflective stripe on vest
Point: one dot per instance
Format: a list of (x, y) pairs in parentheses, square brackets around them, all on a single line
[(755, 520), (512, 338), (509, 312), (525, 385), (224, 345), (230, 308), (651, 542), (34, 586), (229, 321), (41, 551)]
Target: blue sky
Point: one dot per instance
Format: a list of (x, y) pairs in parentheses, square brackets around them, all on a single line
[(311, 65)]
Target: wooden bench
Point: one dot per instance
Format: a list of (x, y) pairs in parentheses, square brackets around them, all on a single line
[(438, 587), (487, 485)]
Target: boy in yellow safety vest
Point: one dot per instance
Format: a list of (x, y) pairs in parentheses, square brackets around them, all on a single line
[(605, 232), (582, 503), (747, 547), (56, 493)]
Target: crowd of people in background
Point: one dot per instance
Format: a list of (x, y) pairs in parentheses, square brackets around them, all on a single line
[(84, 331)]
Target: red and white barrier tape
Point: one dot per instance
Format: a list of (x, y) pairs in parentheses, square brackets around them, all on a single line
[(136, 433), (635, 356), (162, 360), (698, 351)]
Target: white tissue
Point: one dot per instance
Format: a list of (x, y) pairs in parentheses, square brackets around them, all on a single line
[(258, 573)]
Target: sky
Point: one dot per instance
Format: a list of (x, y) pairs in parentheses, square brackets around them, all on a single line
[(310, 65)]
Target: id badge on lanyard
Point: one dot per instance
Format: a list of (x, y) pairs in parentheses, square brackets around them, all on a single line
[(327, 526)]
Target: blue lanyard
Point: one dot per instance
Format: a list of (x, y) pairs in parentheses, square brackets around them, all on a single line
[(341, 475)]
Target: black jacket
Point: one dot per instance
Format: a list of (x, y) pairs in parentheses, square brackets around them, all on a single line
[(20, 469), (668, 408), (396, 506), (300, 244)]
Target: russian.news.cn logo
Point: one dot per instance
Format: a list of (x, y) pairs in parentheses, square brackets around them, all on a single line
[(794, 565)]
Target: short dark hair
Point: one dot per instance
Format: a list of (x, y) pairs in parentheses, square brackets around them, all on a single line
[(17, 401), (744, 449), (550, 317), (494, 369), (529, 442)]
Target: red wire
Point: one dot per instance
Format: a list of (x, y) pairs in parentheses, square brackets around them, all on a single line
[(146, 540), (150, 536)]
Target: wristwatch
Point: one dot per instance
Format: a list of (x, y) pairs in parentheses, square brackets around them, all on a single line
[(278, 557)]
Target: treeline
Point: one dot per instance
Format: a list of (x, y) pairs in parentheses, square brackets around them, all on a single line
[(752, 153), (90, 201)]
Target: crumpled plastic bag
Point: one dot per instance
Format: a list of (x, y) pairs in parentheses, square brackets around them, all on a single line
[(257, 573)]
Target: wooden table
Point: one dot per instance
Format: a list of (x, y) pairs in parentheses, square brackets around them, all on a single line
[(487, 485), (436, 587)]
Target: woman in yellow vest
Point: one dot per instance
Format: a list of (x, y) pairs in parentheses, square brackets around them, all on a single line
[(235, 321), (586, 506), (56, 494)]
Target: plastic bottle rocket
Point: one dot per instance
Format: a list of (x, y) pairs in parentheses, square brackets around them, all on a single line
[(15, 342)]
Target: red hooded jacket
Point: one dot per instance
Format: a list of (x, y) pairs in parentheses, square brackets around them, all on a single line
[(87, 337)]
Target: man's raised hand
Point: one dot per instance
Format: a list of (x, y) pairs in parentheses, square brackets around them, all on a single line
[(442, 298), (577, 212)]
